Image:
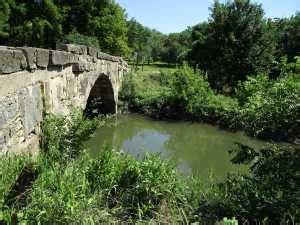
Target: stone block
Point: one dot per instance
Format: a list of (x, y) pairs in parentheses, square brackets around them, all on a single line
[(11, 109), (11, 61), (92, 52), (79, 67), (2, 120), (83, 67), (76, 49), (2, 141), (32, 108), (42, 58), (30, 54), (105, 56), (62, 58)]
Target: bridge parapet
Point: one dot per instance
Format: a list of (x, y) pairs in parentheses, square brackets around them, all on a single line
[(35, 81), (15, 59)]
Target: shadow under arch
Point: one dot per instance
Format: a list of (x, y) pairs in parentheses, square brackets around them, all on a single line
[(101, 98)]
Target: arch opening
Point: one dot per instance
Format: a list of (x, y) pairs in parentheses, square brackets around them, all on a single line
[(101, 98)]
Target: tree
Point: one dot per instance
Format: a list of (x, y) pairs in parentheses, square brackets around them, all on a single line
[(239, 42), (4, 17), (177, 46), (42, 23), (104, 19), (288, 36)]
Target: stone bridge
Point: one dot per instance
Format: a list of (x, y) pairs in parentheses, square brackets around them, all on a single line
[(34, 82)]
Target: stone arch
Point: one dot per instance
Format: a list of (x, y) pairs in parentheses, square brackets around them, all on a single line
[(101, 99)]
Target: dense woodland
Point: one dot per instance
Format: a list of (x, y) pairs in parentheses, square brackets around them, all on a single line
[(238, 70)]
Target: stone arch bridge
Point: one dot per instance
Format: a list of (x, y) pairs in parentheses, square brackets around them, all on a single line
[(36, 81)]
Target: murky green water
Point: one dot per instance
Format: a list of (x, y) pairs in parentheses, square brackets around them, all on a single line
[(197, 149)]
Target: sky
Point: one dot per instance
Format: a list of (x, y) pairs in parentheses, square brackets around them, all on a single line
[(169, 16)]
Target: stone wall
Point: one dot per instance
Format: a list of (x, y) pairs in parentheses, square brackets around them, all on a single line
[(36, 81)]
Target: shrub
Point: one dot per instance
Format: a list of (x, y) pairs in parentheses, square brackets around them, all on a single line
[(63, 137), (273, 111), (80, 39), (268, 194)]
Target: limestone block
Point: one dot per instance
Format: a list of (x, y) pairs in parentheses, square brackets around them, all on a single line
[(8, 110), (2, 141), (2, 120), (62, 58), (92, 52), (11, 61), (76, 49), (42, 58), (104, 56), (30, 54), (31, 105), (79, 67), (83, 67), (11, 109)]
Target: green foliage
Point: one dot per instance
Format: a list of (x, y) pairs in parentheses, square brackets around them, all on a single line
[(116, 188), (236, 43), (79, 39), (268, 194), (251, 87), (139, 188), (288, 36), (110, 188), (10, 168), (263, 107), (63, 137), (43, 23), (272, 107)]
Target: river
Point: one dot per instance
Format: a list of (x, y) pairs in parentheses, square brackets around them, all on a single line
[(196, 148)]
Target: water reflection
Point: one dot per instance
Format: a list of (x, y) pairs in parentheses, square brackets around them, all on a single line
[(198, 149)]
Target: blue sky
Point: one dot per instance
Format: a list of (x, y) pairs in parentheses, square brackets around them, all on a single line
[(175, 15)]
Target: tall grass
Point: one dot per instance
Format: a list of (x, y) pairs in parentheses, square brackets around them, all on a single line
[(73, 188)]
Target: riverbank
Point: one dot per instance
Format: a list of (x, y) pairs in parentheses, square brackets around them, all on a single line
[(68, 186), (261, 107)]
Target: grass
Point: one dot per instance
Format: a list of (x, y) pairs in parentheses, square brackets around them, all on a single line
[(70, 187), (156, 67)]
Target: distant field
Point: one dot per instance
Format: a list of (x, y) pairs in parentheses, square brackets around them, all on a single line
[(153, 68)]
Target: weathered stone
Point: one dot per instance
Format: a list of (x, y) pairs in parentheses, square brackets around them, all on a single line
[(11, 109), (104, 56), (2, 141), (11, 61), (32, 109), (76, 49), (92, 52), (30, 54), (79, 67), (83, 67), (62, 58), (42, 58), (67, 81), (2, 120)]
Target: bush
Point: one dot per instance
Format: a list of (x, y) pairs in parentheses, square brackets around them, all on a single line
[(261, 107), (63, 137), (272, 111), (80, 39), (269, 194)]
